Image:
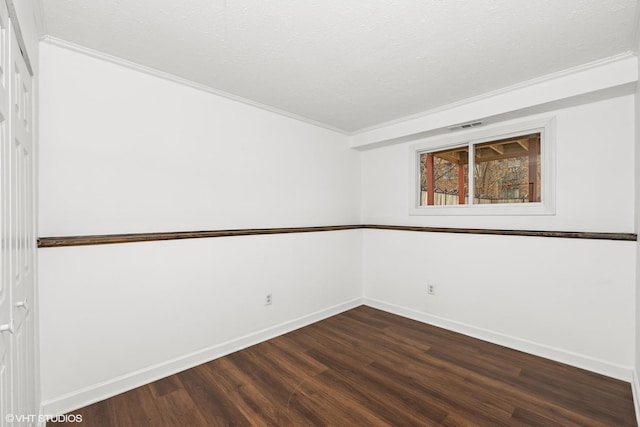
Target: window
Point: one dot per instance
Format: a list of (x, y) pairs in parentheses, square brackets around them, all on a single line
[(444, 177), (500, 171)]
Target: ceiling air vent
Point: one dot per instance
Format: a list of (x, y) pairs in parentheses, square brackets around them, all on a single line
[(467, 125)]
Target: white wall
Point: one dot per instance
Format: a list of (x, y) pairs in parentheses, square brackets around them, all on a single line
[(122, 151), (594, 156), (119, 316), (125, 152), (567, 299)]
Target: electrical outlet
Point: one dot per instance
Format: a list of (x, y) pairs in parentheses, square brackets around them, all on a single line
[(268, 299), (431, 289)]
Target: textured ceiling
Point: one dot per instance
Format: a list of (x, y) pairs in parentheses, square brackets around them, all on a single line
[(350, 64)]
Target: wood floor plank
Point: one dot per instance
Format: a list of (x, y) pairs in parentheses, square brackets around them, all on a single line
[(166, 386), (217, 410), (366, 367), (277, 386), (233, 384), (134, 408), (178, 409), (97, 415)]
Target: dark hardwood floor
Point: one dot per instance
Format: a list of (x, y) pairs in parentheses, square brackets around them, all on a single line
[(366, 367)]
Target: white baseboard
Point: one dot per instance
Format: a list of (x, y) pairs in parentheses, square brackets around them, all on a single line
[(97, 392), (635, 389), (623, 373), (101, 391)]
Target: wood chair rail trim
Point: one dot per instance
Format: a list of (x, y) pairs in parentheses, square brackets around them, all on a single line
[(65, 241)]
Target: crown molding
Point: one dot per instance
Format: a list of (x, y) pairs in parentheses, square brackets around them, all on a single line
[(596, 77), (198, 86), (507, 89), (54, 41)]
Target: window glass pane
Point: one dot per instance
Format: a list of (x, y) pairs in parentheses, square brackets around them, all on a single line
[(444, 177), (508, 170)]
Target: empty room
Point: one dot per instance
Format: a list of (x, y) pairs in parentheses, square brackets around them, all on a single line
[(348, 213)]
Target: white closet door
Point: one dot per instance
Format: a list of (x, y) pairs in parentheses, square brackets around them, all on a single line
[(22, 230), (6, 325)]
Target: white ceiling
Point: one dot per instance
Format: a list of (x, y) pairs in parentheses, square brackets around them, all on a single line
[(350, 64)]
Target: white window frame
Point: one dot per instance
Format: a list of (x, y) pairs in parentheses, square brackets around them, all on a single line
[(470, 138)]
